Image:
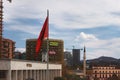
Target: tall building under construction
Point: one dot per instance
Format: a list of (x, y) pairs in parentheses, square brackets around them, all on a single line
[(1, 8), (56, 50), (7, 46)]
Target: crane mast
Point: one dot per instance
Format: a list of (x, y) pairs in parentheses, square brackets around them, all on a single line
[(1, 24)]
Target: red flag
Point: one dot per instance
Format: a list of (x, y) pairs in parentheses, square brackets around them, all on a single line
[(43, 35)]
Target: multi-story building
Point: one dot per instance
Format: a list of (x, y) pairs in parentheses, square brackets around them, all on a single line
[(8, 47), (68, 58), (1, 30), (76, 57), (103, 73), (55, 50), (1, 8)]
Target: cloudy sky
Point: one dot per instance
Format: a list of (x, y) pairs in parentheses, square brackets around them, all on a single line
[(93, 23)]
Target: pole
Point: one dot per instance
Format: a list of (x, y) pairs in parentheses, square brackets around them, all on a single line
[(47, 74)]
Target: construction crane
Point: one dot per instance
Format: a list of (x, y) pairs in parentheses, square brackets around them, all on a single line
[(1, 24)]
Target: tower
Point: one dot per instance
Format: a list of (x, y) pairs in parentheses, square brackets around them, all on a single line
[(76, 57), (1, 11), (1, 24), (84, 62)]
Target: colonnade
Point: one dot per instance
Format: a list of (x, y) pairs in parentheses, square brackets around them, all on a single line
[(32, 74)]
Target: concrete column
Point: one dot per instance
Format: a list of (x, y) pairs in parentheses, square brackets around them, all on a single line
[(52, 74), (38, 74), (41, 76), (34, 74), (60, 73), (9, 75), (46, 77), (26, 72), (49, 74), (16, 72), (31, 74), (55, 73), (21, 73), (14, 75)]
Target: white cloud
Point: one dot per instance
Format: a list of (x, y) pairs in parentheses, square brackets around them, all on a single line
[(81, 13), (69, 14), (20, 50), (98, 47), (103, 48), (86, 37)]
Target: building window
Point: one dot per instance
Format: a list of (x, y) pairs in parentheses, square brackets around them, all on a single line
[(103, 75), (109, 71), (113, 72), (95, 75), (95, 72)]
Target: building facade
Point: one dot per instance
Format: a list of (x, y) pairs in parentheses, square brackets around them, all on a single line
[(103, 73), (68, 58), (3, 53), (76, 57), (28, 70), (56, 50), (1, 14), (8, 47)]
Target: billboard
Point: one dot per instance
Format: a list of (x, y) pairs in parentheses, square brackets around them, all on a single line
[(53, 43)]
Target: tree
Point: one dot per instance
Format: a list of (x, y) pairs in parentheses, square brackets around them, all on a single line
[(58, 78)]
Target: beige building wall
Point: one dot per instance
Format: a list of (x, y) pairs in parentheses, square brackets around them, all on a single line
[(105, 72), (24, 70)]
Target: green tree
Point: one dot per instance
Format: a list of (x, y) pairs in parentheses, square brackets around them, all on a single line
[(58, 78)]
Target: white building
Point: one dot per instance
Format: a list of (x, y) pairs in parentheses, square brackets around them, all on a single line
[(28, 70)]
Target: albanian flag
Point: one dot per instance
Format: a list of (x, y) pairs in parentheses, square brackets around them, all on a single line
[(43, 35)]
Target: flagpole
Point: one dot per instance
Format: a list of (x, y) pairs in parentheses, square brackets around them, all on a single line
[(47, 76)]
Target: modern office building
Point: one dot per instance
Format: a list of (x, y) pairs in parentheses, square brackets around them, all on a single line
[(56, 50), (8, 47), (28, 70), (76, 57)]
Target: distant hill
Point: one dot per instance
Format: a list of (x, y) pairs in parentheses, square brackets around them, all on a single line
[(104, 61)]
